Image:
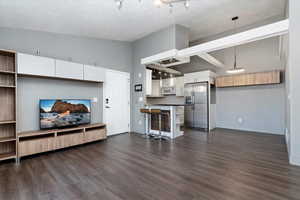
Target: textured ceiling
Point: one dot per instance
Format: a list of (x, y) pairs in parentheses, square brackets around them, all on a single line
[(101, 18)]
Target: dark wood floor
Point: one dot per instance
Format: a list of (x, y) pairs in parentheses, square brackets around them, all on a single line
[(225, 165)]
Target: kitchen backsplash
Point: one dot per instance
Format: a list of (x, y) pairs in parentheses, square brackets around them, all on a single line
[(166, 100)]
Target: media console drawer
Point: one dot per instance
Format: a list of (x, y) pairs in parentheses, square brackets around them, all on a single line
[(69, 140), (94, 134), (34, 142), (34, 146)]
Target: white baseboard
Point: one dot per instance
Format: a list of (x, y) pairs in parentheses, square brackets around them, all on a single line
[(295, 160)]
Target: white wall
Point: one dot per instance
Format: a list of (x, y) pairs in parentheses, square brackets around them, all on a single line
[(294, 73), (285, 62)]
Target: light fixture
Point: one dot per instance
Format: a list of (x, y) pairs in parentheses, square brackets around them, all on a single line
[(159, 3), (235, 69), (186, 4), (119, 4)]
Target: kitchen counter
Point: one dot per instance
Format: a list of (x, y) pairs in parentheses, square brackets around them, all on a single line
[(172, 123), (169, 105)]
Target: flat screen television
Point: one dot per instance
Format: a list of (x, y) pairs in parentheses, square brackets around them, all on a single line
[(60, 113)]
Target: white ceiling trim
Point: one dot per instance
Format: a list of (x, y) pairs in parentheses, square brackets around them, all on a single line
[(263, 32), (212, 60)]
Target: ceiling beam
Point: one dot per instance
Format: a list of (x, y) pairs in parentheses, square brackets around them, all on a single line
[(263, 32), (212, 60)]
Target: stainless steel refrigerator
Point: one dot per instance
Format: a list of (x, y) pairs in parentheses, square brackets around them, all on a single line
[(196, 113)]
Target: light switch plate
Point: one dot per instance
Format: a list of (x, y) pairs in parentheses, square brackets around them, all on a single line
[(94, 99), (240, 120), (141, 99)]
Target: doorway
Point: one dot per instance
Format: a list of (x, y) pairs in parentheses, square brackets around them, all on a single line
[(116, 93)]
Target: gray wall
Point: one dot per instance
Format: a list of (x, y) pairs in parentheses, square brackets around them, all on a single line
[(262, 108), (31, 90), (105, 53), (152, 44), (294, 69)]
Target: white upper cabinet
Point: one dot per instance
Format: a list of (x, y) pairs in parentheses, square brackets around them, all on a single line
[(92, 73), (35, 65), (180, 86), (148, 82), (69, 70), (48, 67), (202, 76)]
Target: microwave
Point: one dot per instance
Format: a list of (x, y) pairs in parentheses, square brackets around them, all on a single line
[(168, 91)]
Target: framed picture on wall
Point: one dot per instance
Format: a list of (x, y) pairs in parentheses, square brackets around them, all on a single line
[(138, 88)]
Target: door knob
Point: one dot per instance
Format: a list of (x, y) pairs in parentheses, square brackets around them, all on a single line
[(107, 106)]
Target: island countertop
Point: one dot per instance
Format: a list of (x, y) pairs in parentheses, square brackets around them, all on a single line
[(168, 105)]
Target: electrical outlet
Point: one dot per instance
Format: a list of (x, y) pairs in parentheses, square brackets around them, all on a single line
[(240, 120), (140, 122), (141, 99)]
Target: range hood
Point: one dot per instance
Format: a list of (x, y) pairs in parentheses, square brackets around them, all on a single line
[(165, 59)]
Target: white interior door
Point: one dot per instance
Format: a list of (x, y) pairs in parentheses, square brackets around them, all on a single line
[(117, 102)]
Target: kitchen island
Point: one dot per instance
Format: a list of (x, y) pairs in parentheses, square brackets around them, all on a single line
[(172, 120)]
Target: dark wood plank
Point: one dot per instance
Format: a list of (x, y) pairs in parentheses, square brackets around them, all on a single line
[(225, 164)]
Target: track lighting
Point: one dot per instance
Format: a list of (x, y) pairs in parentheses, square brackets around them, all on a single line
[(159, 3), (119, 4), (186, 4)]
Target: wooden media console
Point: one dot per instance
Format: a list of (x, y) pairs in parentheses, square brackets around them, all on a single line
[(34, 142)]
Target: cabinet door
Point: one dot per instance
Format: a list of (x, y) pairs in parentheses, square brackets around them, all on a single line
[(69, 70), (156, 91), (148, 82), (35, 65), (225, 81), (239, 80), (92, 73), (179, 86), (189, 78), (267, 77)]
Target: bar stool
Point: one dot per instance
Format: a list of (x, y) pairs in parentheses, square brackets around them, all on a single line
[(158, 113), (151, 112), (163, 137), (146, 112)]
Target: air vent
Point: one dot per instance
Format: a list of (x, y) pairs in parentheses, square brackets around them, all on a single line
[(165, 59)]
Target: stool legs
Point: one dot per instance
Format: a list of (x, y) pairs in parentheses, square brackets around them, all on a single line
[(159, 136)]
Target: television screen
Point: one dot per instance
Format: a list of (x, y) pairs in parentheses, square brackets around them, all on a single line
[(57, 113)]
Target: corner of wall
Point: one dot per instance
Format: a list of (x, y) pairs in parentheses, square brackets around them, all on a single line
[(294, 160)]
